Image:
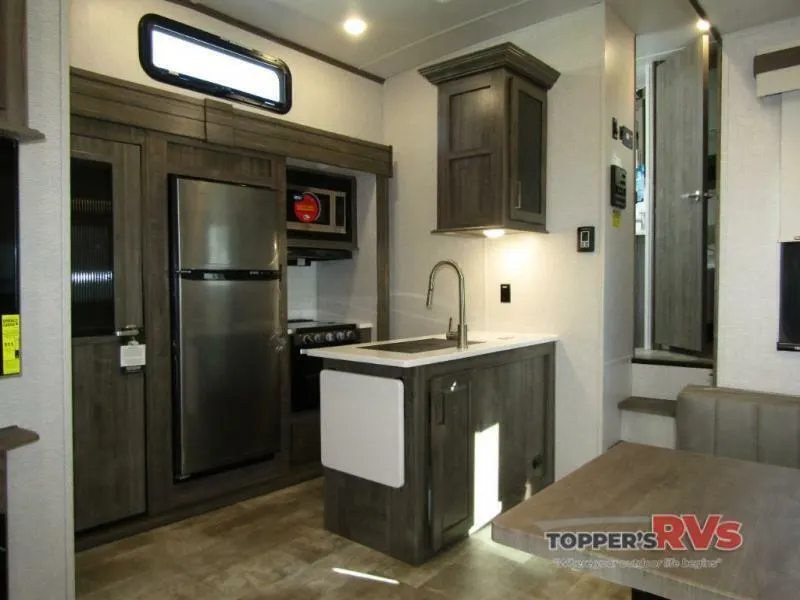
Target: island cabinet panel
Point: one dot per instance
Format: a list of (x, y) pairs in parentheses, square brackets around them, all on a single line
[(446, 405), (452, 458)]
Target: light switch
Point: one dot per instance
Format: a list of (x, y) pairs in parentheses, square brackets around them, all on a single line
[(585, 239)]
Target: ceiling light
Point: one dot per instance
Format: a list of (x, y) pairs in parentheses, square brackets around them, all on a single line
[(494, 233), (355, 26), (703, 25)]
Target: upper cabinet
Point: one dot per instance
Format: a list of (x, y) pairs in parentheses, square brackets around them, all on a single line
[(492, 141), (13, 72)]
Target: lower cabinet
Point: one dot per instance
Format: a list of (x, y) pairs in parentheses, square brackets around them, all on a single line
[(452, 458), (454, 414), (511, 397)]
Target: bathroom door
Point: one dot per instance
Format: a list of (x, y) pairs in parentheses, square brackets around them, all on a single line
[(681, 192)]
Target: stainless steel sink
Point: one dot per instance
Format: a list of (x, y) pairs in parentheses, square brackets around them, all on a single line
[(416, 346)]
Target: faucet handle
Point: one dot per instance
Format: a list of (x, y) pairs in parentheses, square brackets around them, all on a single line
[(452, 334)]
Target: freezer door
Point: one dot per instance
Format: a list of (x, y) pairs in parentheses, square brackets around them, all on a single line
[(229, 355), (225, 226)]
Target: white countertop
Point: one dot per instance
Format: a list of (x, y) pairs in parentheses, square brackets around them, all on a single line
[(491, 342)]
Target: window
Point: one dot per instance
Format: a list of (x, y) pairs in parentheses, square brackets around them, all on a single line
[(180, 55)]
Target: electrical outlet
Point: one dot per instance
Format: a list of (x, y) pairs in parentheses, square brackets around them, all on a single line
[(505, 293)]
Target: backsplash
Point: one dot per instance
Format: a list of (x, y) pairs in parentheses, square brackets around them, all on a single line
[(302, 292)]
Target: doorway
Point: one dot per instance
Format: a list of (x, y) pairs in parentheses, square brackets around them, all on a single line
[(677, 142)]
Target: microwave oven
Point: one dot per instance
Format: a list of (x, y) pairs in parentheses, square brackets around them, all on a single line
[(319, 206)]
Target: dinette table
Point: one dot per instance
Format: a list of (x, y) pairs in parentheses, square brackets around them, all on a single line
[(621, 490)]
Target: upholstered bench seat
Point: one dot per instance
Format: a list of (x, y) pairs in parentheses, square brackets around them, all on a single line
[(741, 424)]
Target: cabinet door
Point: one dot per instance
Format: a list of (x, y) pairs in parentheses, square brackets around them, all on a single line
[(470, 152), (452, 459), (13, 80), (527, 152), (540, 421), (520, 389), (108, 404)]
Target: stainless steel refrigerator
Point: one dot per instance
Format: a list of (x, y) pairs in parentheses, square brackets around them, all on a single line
[(227, 242)]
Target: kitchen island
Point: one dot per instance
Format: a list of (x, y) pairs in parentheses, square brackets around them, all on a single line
[(423, 442)]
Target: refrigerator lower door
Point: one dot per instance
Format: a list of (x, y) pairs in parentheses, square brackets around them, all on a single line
[(229, 355)]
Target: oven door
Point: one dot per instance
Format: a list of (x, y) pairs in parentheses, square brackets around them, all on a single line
[(305, 378), (305, 382)]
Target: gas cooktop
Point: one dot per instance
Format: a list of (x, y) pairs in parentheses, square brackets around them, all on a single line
[(307, 333)]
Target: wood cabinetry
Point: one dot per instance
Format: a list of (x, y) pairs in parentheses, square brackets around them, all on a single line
[(492, 140), (10, 438), (108, 403), (13, 72), (446, 407), (452, 452)]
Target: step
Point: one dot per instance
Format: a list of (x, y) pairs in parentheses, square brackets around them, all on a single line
[(650, 406)]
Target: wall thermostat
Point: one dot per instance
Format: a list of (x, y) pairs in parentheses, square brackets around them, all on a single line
[(585, 239), (619, 187)]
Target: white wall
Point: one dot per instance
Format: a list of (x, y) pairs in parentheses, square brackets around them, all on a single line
[(749, 259), (40, 476), (104, 40), (665, 383), (301, 285), (617, 241)]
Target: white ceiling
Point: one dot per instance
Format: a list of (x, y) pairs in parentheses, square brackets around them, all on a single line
[(733, 15), (404, 34)]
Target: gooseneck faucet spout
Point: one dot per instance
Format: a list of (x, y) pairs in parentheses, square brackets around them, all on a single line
[(461, 332)]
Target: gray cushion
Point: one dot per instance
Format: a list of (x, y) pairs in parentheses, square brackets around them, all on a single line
[(741, 424)]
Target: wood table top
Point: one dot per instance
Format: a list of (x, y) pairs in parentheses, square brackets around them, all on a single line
[(621, 489)]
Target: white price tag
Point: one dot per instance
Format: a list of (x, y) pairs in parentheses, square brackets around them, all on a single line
[(132, 355)]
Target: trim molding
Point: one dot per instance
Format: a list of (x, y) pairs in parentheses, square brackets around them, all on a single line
[(383, 240), (505, 55), (250, 28), (109, 99), (775, 61)]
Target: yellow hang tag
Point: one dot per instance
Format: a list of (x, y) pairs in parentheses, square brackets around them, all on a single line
[(616, 219), (11, 337)]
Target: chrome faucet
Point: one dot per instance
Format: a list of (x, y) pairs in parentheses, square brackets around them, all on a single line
[(461, 332)]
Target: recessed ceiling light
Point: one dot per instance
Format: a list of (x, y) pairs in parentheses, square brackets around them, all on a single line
[(703, 25), (494, 233), (355, 26)]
